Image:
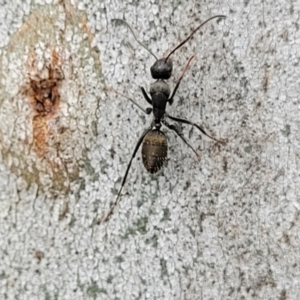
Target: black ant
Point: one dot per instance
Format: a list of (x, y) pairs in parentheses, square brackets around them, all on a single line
[(155, 146)]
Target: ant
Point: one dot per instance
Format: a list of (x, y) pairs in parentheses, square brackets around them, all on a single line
[(153, 140)]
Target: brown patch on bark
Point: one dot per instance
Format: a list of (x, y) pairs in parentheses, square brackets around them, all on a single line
[(43, 96)]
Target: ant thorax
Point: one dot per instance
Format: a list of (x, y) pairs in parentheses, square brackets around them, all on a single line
[(160, 87), (160, 92)]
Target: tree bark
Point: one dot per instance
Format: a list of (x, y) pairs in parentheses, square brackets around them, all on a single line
[(222, 227)]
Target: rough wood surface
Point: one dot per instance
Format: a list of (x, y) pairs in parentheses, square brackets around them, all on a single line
[(224, 227)]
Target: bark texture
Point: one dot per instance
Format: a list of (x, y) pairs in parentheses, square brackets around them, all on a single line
[(224, 227)]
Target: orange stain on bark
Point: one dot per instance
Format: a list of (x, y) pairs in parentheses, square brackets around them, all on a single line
[(44, 98)]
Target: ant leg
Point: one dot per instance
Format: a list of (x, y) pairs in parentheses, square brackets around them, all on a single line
[(197, 126), (146, 95), (106, 218), (147, 111), (170, 100), (179, 133)]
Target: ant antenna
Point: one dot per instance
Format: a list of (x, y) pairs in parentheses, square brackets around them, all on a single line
[(182, 43), (123, 21)]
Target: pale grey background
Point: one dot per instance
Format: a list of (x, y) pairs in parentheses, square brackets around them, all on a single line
[(226, 227)]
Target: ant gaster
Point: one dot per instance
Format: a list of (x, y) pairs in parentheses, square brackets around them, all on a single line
[(153, 140)]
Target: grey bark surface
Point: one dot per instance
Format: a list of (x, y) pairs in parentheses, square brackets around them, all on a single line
[(224, 227)]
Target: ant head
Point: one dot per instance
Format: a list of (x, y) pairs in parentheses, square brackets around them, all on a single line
[(162, 69)]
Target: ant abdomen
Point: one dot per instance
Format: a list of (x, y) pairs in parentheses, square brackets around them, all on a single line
[(154, 150)]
